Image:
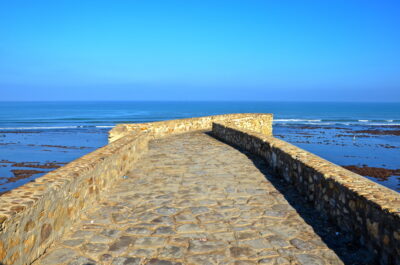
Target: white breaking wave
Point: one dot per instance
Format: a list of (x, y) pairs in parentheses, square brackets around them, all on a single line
[(56, 127), (322, 123), (38, 128), (335, 122), (384, 124), (295, 120)]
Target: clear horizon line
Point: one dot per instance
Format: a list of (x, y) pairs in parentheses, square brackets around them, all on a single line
[(180, 100)]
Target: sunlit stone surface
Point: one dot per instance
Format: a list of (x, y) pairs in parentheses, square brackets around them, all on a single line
[(191, 200)]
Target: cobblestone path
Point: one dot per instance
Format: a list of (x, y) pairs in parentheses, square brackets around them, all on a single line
[(191, 200)]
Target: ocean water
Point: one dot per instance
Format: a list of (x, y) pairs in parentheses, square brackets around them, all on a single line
[(59, 132), (66, 115)]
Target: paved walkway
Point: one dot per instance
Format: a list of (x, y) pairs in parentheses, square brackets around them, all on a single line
[(192, 200)]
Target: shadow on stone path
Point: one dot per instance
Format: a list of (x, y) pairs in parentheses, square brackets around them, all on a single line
[(351, 253), (194, 200)]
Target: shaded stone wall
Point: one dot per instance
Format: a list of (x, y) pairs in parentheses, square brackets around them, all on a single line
[(38, 213), (361, 208)]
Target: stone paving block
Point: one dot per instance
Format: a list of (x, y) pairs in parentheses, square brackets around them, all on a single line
[(150, 242), (57, 256), (81, 261), (189, 228), (138, 231), (121, 244), (126, 261)]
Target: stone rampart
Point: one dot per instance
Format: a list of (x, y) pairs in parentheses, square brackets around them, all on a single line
[(258, 122), (36, 214), (365, 210)]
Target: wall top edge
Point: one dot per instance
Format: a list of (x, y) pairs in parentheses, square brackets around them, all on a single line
[(231, 115)]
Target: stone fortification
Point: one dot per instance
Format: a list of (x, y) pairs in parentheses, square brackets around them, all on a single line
[(365, 210), (38, 213), (258, 122)]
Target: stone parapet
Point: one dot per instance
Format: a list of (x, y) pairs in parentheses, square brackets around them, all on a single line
[(258, 122), (34, 215), (365, 210), (38, 213)]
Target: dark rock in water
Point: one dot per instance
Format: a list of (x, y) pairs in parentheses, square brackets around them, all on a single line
[(23, 173), (379, 132), (6, 161), (375, 172), (37, 165)]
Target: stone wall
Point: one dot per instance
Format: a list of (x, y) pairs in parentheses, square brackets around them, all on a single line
[(258, 122), (361, 208), (38, 213)]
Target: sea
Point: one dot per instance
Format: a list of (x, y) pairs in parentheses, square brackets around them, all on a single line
[(37, 137)]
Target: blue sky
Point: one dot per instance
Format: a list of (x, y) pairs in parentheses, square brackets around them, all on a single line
[(200, 50)]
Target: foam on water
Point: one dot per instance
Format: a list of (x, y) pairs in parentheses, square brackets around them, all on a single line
[(335, 122), (56, 127)]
